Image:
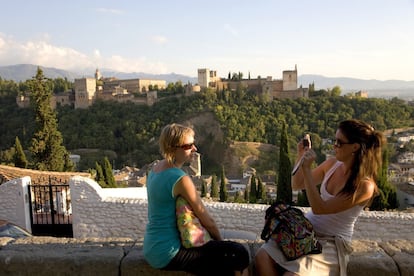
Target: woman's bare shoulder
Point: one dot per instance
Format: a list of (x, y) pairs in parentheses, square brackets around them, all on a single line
[(328, 163)]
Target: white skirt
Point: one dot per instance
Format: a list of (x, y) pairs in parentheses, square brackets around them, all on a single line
[(326, 263)]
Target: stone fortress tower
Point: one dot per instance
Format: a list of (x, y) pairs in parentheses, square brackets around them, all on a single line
[(287, 87)]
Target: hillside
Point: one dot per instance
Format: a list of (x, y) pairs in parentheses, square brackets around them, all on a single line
[(238, 155)]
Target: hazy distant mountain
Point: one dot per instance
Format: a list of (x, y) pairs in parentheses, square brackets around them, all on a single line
[(22, 72), (375, 88), (322, 82), (173, 77)]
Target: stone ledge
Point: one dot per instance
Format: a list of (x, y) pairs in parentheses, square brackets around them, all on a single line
[(64, 256)]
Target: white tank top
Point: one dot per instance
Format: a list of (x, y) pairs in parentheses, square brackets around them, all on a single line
[(339, 224)]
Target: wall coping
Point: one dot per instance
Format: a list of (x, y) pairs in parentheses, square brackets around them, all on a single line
[(123, 256)]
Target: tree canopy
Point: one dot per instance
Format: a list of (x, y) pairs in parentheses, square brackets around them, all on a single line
[(130, 131)]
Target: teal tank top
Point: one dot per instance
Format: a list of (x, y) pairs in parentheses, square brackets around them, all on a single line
[(162, 239)]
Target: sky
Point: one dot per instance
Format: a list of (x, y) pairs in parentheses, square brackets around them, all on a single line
[(365, 39)]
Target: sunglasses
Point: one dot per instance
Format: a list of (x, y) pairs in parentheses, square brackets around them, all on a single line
[(338, 143), (186, 146)]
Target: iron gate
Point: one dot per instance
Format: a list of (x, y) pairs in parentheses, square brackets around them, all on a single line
[(51, 209)]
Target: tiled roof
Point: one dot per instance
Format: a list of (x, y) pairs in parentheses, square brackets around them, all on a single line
[(8, 173)]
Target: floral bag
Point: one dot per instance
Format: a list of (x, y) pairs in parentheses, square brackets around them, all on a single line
[(291, 230), (192, 233)]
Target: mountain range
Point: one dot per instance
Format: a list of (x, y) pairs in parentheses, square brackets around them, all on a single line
[(376, 88)]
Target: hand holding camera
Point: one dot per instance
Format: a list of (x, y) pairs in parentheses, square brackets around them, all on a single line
[(306, 143)]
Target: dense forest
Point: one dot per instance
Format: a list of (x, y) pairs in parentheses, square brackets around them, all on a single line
[(127, 133)]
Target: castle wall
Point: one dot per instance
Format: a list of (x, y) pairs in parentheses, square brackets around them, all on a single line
[(292, 94)]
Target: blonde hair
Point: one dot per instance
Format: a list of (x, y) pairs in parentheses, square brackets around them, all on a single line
[(172, 136)]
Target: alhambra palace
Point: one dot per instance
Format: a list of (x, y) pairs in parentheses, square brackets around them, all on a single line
[(144, 91)]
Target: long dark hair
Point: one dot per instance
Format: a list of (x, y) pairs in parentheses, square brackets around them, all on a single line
[(368, 159)]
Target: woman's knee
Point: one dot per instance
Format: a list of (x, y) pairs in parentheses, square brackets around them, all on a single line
[(264, 264), (262, 258)]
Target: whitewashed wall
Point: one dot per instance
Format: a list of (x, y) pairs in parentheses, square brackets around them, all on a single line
[(122, 212), (102, 213), (14, 202)]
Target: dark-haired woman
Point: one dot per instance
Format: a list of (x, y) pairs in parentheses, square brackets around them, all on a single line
[(347, 186)]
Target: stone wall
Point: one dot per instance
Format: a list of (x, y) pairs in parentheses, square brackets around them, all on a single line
[(101, 213), (44, 256), (122, 212), (108, 226), (14, 202)]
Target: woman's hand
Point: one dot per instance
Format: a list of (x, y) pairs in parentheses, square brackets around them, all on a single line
[(309, 157)]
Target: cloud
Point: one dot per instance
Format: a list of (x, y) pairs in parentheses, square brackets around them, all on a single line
[(43, 53)]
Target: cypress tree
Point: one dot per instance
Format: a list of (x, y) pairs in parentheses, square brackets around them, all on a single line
[(261, 191), (203, 188), (387, 198), (253, 192), (108, 174), (223, 186), (47, 147), (100, 178), (19, 157), (284, 188), (214, 193), (302, 199)]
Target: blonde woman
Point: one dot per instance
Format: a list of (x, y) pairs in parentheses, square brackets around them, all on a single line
[(162, 245)]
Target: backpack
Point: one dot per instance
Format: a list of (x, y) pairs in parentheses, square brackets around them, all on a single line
[(291, 230)]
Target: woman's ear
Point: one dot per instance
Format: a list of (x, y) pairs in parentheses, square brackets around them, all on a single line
[(356, 147)]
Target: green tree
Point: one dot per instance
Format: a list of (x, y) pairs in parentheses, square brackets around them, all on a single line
[(69, 166), (47, 147), (214, 192), (19, 158), (284, 188), (108, 174), (99, 177), (223, 186), (253, 190), (203, 188), (387, 198), (336, 91), (237, 197), (302, 199), (261, 191)]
